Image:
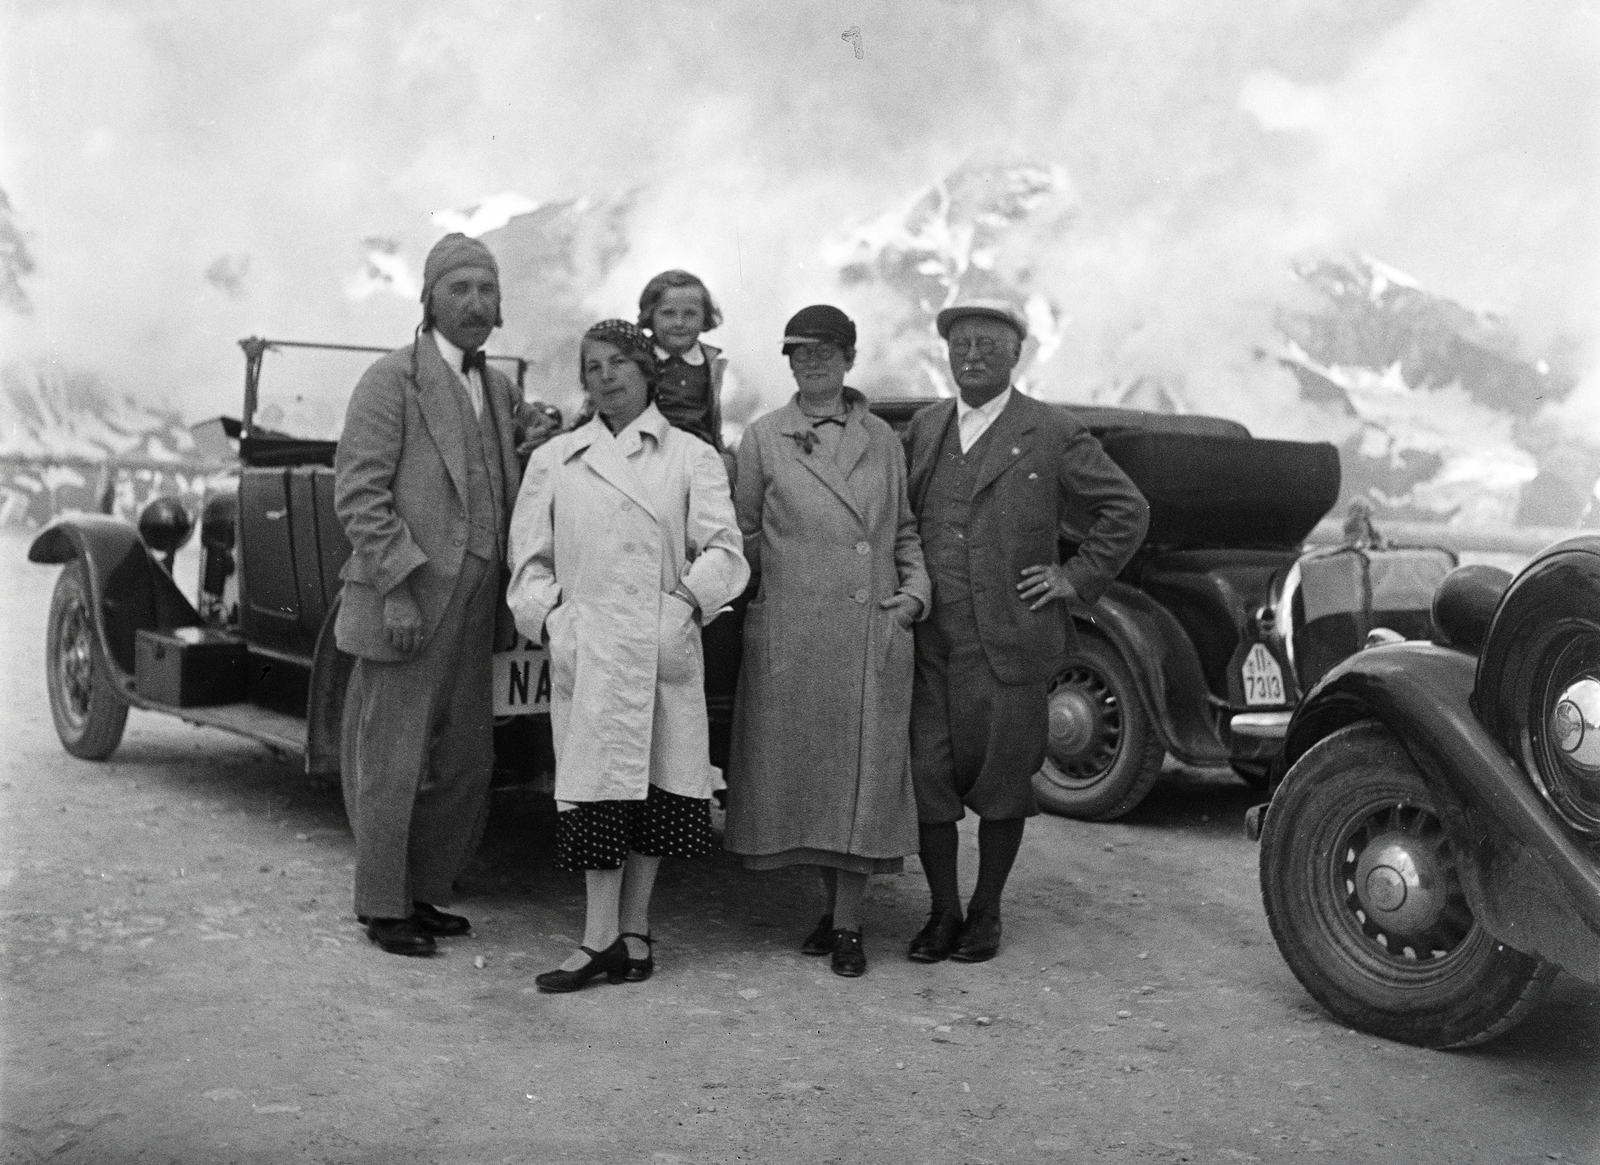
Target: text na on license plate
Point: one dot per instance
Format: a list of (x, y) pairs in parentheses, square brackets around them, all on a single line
[(1263, 678), (522, 680)]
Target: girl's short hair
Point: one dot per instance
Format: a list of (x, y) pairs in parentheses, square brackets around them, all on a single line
[(650, 297)]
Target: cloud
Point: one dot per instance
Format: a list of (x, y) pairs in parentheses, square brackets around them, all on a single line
[(1207, 144)]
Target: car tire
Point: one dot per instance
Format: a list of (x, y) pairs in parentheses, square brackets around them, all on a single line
[(1103, 755), (1402, 958), (89, 714)]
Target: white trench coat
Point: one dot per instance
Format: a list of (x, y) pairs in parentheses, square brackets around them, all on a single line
[(604, 528)]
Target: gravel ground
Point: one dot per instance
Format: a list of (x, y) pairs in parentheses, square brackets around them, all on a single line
[(184, 982)]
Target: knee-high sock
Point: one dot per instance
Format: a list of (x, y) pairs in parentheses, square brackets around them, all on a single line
[(998, 842), (937, 847)]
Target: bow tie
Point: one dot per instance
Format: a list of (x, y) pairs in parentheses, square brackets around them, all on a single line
[(818, 422), (471, 360)]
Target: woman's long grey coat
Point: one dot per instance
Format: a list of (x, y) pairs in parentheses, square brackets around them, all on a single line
[(820, 750)]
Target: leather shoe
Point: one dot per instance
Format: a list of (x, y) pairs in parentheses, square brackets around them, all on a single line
[(820, 940), (640, 969), (400, 936), (431, 920), (980, 938), (937, 936), (849, 959)]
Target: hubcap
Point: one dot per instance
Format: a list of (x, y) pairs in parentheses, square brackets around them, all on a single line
[(1072, 721), (1400, 886), (1395, 888), (75, 664), (1086, 724), (1575, 723)]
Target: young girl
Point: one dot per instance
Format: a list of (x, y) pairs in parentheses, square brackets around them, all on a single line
[(675, 307)]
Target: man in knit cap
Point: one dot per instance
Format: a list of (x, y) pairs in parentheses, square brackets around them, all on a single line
[(425, 477)]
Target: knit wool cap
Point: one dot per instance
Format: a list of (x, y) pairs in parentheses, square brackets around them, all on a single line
[(820, 321), (630, 341), (451, 253)]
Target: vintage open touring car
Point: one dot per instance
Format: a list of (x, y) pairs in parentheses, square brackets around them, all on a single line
[(253, 653), (1200, 649)]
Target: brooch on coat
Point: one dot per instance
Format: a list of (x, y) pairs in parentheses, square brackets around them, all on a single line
[(807, 440)]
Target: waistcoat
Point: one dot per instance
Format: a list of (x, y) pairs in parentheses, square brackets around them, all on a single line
[(485, 479), (946, 508)]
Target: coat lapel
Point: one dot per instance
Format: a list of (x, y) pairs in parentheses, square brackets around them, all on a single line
[(438, 391), (822, 467), (927, 439), (1007, 442), (603, 454), (855, 439)]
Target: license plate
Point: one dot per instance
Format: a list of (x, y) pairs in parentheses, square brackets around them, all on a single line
[(521, 681), (1263, 678)]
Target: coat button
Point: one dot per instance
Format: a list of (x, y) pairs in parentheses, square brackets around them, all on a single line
[(863, 548), (631, 589), (627, 547), (861, 595)]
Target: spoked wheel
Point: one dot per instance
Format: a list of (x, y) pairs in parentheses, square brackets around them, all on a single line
[(88, 713), (1102, 756), (1361, 889)]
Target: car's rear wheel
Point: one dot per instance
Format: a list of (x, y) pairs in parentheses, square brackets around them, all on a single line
[(88, 713), (1103, 754), (1360, 886)]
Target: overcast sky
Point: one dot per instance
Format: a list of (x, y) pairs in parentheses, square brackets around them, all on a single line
[(1207, 144)]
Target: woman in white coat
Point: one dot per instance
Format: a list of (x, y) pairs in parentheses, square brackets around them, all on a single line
[(623, 543)]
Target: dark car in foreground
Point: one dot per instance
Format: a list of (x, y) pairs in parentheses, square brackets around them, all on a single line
[(1433, 855)]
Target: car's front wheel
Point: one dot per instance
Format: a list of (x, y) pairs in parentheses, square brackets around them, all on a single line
[(1361, 889), (1103, 754), (89, 715)]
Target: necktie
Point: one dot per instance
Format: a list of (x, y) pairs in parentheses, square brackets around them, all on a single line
[(471, 360)]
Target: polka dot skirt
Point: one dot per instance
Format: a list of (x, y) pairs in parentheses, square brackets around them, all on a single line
[(597, 835)]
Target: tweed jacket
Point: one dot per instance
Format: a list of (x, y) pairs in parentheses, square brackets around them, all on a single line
[(400, 490), (1041, 467)]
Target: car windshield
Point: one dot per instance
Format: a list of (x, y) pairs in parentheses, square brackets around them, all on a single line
[(303, 391)]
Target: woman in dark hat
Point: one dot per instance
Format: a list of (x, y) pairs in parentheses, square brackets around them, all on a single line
[(819, 773), (623, 542)]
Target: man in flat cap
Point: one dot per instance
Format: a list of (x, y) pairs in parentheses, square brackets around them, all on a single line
[(425, 477), (991, 473)]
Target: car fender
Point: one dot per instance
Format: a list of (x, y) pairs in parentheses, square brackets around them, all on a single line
[(330, 677), (129, 590), (1530, 884), (1165, 667)]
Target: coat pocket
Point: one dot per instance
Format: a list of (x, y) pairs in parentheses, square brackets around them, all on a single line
[(678, 641), (763, 625), (563, 646)]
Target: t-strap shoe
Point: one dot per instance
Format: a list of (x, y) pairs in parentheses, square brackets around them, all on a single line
[(611, 962), (639, 969)]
